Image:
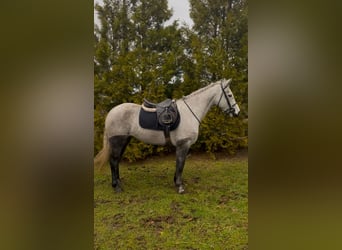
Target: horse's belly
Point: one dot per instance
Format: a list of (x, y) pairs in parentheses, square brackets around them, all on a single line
[(150, 136)]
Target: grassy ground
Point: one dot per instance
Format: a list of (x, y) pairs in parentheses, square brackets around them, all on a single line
[(149, 214)]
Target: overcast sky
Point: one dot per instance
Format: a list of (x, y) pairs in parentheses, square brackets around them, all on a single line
[(181, 9)]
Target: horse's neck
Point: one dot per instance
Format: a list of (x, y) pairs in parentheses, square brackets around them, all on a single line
[(202, 102)]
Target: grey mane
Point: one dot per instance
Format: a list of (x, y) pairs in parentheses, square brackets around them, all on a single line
[(201, 90)]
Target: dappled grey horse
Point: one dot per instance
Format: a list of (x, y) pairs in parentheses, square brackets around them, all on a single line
[(122, 122)]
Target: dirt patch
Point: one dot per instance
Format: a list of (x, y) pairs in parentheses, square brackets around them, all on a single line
[(188, 218), (98, 202), (157, 222), (175, 206), (224, 199)]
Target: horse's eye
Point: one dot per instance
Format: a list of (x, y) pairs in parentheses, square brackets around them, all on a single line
[(230, 95)]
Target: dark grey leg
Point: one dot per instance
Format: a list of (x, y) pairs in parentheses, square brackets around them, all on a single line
[(182, 149), (118, 145)]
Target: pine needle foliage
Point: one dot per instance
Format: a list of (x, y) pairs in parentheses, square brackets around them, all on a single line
[(137, 56)]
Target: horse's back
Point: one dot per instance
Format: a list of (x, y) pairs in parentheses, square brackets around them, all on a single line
[(121, 117)]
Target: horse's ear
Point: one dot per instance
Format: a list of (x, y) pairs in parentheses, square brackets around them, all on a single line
[(228, 82)]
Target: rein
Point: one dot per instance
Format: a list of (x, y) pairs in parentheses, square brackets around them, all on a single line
[(229, 110), (191, 110)]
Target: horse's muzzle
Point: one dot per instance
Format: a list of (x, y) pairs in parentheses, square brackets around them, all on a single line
[(232, 112), (236, 114)]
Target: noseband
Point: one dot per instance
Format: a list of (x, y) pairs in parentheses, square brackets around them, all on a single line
[(230, 109)]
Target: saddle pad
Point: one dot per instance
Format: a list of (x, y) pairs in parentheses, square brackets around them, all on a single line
[(148, 120)]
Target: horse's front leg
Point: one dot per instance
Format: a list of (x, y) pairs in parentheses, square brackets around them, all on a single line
[(182, 149)]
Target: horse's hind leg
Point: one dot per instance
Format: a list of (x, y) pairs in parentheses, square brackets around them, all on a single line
[(118, 146), (182, 149)]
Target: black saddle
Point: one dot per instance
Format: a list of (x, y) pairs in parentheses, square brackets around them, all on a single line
[(160, 116), (164, 104)]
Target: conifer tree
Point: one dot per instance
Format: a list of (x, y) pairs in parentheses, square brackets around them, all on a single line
[(219, 50), (137, 56)]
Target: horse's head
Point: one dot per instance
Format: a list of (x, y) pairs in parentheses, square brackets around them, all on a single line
[(227, 101)]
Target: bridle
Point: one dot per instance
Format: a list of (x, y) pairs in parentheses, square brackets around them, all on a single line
[(230, 109)]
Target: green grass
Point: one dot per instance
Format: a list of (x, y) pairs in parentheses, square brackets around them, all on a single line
[(149, 214)]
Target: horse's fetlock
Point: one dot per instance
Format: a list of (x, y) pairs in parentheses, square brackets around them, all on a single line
[(181, 189)]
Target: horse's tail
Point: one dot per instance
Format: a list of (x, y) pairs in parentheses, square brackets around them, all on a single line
[(103, 156)]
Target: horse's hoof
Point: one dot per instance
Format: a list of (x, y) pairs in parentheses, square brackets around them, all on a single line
[(181, 190), (117, 188)]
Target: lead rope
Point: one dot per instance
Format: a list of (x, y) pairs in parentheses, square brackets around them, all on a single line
[(191, 111)]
